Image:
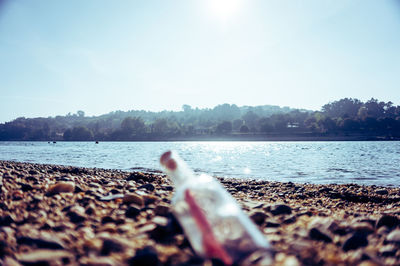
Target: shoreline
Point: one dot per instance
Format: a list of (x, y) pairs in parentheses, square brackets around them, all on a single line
[(241, 137), (115, 217)]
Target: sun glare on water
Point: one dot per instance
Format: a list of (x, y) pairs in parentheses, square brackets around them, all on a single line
[(224, 10)]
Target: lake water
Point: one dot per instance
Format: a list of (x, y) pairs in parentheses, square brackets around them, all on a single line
[(369, 163)]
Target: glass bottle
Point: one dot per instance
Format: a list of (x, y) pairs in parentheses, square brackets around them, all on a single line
[(212, 220)]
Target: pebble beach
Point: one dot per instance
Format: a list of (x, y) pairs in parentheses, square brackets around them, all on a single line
[(59, 215)]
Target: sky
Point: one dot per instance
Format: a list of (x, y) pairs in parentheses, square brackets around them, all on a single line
[(100, 56)]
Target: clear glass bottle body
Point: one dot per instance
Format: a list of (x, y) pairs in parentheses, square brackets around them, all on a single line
[(212, 220)]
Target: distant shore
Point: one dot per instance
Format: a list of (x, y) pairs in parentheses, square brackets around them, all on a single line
[(247, 137), (56, 214)]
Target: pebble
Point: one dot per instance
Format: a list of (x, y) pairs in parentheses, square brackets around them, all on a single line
[(132, 211), (100, 223), (149, 187), (61, 187), (42, 243), (280, 209), (394, 237), (45, 257), (162, 210), (258, 217), (145, 257), (320, 235), (357, 240), (133, 198), (382, 192), (112, 245), (389, 221), (363, 227)]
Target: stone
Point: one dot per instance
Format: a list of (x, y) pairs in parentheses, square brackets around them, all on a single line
[(280, 209), (272, 224), (42, 243), (132, 212), (111, 245), (61, 187), (6, 220), (363, 227), (97, 261), (45, 257), (388, 220), (388, 251), (162, 210), (320, 235), (394, 237), (149, 187), (144, 257), (133, 198), (112, 197), (357, 240), (76, 217), (382, 192), (319, 229), (258, 217), (149, 199)]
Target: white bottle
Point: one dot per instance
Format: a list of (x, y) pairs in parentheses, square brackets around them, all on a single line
[(211, 219)]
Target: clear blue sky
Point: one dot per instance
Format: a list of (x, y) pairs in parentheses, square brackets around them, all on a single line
[(99, 56)]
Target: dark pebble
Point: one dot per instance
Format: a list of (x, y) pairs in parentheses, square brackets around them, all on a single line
[(144, 257), (356, 241), (388, 220), (6, 220), (26, 187), (272, 224), (132, 212), (110, 245), (148, 187), (107, 219), (382, 192), (319, 235), (75, 217), (280, 209), (258, 217)]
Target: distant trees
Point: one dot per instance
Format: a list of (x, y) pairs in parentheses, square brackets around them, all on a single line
[(79, 133), (346, 116)]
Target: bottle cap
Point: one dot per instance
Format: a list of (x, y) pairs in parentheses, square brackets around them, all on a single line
[(175, 167)]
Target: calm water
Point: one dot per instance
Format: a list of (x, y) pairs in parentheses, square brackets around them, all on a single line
[(314, 162)]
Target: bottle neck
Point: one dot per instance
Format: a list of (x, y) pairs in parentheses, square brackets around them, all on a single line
[(177, 170)]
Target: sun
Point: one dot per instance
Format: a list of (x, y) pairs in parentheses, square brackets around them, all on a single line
[(224, 10)]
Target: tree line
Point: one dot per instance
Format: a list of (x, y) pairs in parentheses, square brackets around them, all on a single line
[(344, 117)]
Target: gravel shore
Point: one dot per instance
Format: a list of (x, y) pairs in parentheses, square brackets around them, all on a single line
[(57, 215)]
